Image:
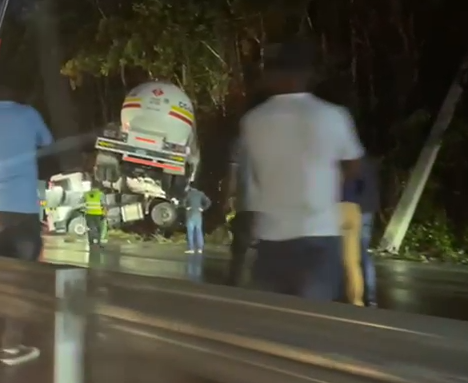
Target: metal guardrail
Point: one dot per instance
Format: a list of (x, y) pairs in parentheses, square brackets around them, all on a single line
[(179, 330)]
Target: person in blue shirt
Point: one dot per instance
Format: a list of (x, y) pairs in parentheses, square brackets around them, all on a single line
[(369, 201), (22, 132), (195, 203)]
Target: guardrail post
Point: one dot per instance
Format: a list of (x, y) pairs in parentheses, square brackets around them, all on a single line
[(70, 324)]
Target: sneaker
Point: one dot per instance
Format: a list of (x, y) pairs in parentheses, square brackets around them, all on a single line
[(18, 355), (189, 252), (200, 251)]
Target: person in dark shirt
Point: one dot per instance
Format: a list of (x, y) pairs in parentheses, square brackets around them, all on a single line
[(239, 182), (369, 201)]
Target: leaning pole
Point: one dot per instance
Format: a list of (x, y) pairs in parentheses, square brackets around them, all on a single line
[(403, 214)]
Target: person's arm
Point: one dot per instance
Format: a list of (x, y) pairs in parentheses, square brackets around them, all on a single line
[(186, 201), (231, 178), (206, 202), (350, 150), (43, 135), (104, 202)]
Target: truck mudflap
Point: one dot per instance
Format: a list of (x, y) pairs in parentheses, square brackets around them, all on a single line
[(173, 163)]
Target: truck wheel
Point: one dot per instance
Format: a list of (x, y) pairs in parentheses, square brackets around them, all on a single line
[(164, 215), (77, 226)]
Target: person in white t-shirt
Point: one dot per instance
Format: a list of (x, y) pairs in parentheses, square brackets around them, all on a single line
[(299, 147)]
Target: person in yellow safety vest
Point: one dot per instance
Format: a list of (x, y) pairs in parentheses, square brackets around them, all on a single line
[(95, 212)]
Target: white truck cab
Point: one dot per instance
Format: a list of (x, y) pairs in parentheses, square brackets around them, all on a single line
[(64, 203)]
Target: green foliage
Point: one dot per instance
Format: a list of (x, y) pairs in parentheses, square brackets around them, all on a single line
[(184, 42), (432, 235), (431, 241)]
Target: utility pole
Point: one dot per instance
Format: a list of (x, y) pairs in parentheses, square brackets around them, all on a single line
[(404, 211)]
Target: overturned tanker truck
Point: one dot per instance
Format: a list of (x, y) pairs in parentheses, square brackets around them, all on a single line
[(146, 163)]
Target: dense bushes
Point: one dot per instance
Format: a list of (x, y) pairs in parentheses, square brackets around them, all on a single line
[(433, 240), (433, 237)]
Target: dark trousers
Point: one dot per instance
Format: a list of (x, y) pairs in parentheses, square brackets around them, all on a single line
[(94, 224), (368, 266), (308, 267), (241, 240), (20, 238)]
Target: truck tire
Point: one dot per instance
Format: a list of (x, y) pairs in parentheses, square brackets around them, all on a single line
[(163, 214), (77, 226)]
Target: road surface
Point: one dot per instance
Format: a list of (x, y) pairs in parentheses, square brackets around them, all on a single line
[(411, 287)]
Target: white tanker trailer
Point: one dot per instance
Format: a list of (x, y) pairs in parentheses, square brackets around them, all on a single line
[(151, 157)]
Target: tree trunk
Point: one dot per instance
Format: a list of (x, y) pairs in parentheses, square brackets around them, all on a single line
[(56, 88)]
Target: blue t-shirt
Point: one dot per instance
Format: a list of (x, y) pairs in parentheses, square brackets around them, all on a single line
[(364, 190), (352, 191), (22, 131)]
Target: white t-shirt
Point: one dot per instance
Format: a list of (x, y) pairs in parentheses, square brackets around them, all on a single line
[(295, 143)]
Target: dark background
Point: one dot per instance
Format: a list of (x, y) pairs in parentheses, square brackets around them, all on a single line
[(390, 61)]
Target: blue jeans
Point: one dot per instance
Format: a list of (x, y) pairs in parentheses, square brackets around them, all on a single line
[(195, 238), (308, 267), (368, 267)]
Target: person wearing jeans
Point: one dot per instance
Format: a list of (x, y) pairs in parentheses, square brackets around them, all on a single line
[(369, 200), (195, 239), (20, 229), (367, 263), (195, 243), (195, 203)]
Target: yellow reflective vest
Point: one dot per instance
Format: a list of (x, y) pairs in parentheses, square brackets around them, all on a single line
[(230, 216), (93, 204)]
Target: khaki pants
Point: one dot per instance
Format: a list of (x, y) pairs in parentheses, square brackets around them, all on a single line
[(351, 231)]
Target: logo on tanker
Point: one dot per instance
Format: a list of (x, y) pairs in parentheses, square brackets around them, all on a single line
[(157, 92)]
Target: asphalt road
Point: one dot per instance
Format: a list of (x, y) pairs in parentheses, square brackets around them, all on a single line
[(411, 287), (437, 290)]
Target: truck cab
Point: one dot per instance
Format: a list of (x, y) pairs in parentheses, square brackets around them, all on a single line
[(64, 203)]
